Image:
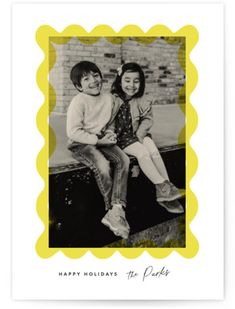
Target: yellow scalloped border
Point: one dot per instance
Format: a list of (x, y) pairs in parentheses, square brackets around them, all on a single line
[(42, 37)]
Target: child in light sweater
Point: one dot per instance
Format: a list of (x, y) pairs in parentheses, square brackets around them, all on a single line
[(91, 143)]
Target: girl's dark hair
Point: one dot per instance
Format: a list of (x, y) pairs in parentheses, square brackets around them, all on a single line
[(81, 69), (128, 67)]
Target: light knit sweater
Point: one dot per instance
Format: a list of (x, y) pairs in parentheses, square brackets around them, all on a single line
[(86, 117)]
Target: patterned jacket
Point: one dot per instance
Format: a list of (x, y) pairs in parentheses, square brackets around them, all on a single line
[(141, 114)]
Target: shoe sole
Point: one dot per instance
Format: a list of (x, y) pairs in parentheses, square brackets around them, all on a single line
[(178, 210), (113, 229), (169, 199)]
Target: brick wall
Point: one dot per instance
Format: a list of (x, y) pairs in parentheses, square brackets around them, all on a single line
[(162, 59)]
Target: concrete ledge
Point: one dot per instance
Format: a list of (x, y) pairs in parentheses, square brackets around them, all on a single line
[(68, 167), (77, 207)]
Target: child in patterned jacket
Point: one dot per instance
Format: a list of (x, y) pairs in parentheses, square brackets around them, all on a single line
[(133, 122)]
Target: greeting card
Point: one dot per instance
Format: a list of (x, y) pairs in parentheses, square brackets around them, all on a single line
[(117, 151)]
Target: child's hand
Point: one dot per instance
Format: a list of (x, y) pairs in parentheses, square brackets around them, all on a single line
[(110, 133), (106, 140), (140, 138), (111, 136)]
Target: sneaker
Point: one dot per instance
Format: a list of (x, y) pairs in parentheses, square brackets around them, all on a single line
[(115, 220), (173, 207), (175, 190), (166, 191)]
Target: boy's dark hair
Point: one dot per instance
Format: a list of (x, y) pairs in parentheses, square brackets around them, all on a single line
[(128, 67), (81, 69)]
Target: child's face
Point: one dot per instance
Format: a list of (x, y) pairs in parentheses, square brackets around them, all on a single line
[(130, 83), (91, 84)]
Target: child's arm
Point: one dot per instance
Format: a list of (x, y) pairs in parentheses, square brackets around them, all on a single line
[(75, 129), (110, 128), (146, 122)]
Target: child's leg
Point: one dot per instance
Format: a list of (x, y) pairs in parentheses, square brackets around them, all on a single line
[(95, 160), (146, 164), (115, 218), (165, 190), (157, 159), (156, 156), (120, 174)]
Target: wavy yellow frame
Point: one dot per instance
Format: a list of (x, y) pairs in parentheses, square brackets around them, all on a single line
[(42, 36)]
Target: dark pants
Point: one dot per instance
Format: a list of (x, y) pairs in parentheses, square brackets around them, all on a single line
[(98, 159)]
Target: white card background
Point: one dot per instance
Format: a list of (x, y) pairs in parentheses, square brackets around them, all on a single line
[(198, 278)]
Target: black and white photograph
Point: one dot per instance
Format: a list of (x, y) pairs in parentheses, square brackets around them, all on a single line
[(117, 112)]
